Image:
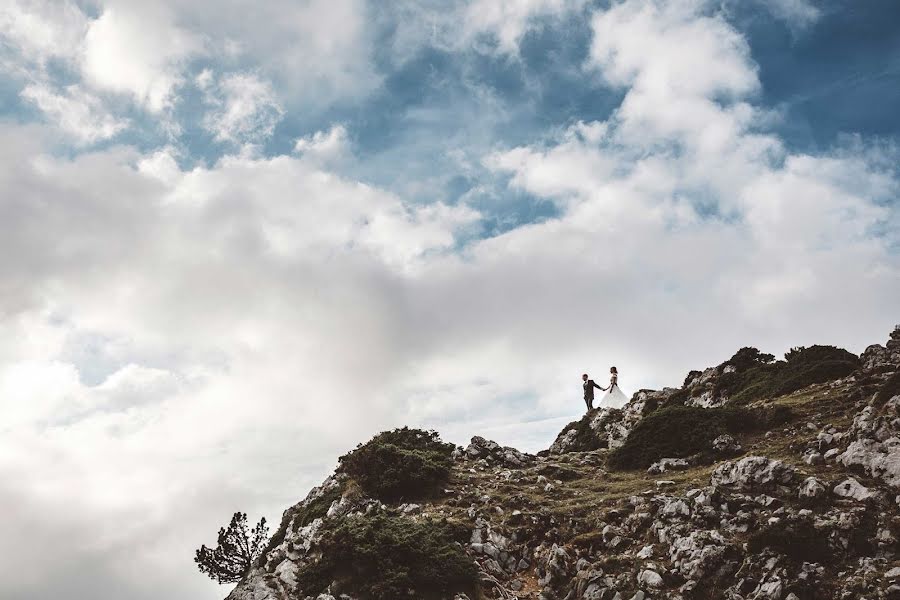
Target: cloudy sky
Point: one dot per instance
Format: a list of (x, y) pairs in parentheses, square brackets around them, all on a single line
[(237, 238)]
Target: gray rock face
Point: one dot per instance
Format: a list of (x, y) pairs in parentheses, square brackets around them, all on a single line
[(752, 473), (877, 356), (876, 443)]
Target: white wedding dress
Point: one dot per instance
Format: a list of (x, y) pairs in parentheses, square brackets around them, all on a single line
[(614, 397)]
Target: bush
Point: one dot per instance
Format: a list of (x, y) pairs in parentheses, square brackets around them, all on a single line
[(797, 379), (888, 389), (401, 464), (798, 541), (387, 558), (680, 431), (747, 358), (757, 378)]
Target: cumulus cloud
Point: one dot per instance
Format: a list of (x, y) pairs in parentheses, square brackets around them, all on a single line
[(140, 51)]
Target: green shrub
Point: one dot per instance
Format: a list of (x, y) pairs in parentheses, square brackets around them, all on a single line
[(802, 367), (402, 464), (388, 558), (680, 431), (798, 541), (888, 389), (802, 355), (797, 379), (747, 358)]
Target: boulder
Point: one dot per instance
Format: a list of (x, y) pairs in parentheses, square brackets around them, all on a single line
[(752, 472), (726, 445), (851, 488), (494, 453), (668, 464), (812, 489), (878, 459), (650, 579)]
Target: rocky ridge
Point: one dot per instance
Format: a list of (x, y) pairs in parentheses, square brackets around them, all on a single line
[(804, 509)]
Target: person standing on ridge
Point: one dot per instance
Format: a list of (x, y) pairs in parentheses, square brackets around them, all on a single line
[(615, 397), (589, 386)]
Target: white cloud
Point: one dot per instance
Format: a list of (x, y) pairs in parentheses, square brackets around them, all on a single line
[(324, 145), (43, 29), (77, 113), (316, 52), (246, 109), (140, 51)]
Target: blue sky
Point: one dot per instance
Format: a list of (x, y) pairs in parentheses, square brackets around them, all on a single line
[(240, 237)]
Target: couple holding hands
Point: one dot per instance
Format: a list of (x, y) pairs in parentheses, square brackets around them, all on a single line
[(614, 398)]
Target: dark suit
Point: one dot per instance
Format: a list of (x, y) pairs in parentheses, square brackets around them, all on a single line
[(589, 386)]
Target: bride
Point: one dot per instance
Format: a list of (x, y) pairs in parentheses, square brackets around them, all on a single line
[(614, 397)]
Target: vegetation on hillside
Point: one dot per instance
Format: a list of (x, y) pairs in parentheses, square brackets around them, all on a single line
[(388, 558), (403, 464), (757, 375), (682, 431)]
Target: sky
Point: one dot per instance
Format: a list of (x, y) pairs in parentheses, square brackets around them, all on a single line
[(238, 238)]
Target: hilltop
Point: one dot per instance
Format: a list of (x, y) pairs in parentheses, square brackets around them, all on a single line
[(756, 478)]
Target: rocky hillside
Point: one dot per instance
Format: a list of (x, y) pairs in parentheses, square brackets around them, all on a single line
[(756, 479)]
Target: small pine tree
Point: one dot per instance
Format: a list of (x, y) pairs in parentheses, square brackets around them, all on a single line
[(238, 548)]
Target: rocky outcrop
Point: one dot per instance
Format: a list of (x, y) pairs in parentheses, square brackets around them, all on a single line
[(875, 449), (495, 454), (813, 512)]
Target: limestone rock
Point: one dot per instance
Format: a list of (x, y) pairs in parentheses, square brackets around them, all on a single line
[(752, 472), (851, 488), (668, 464)]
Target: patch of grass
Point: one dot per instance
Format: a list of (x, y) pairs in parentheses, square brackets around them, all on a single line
[(681, 431), (798, 541), (403, 464), (387, 558), (888, 389)]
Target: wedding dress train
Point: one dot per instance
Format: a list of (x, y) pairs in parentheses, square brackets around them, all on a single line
[(614, 398)]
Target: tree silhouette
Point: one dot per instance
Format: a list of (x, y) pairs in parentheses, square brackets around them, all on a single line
[(238, 547)]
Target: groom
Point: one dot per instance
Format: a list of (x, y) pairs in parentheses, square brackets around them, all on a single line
[(589, 386)]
